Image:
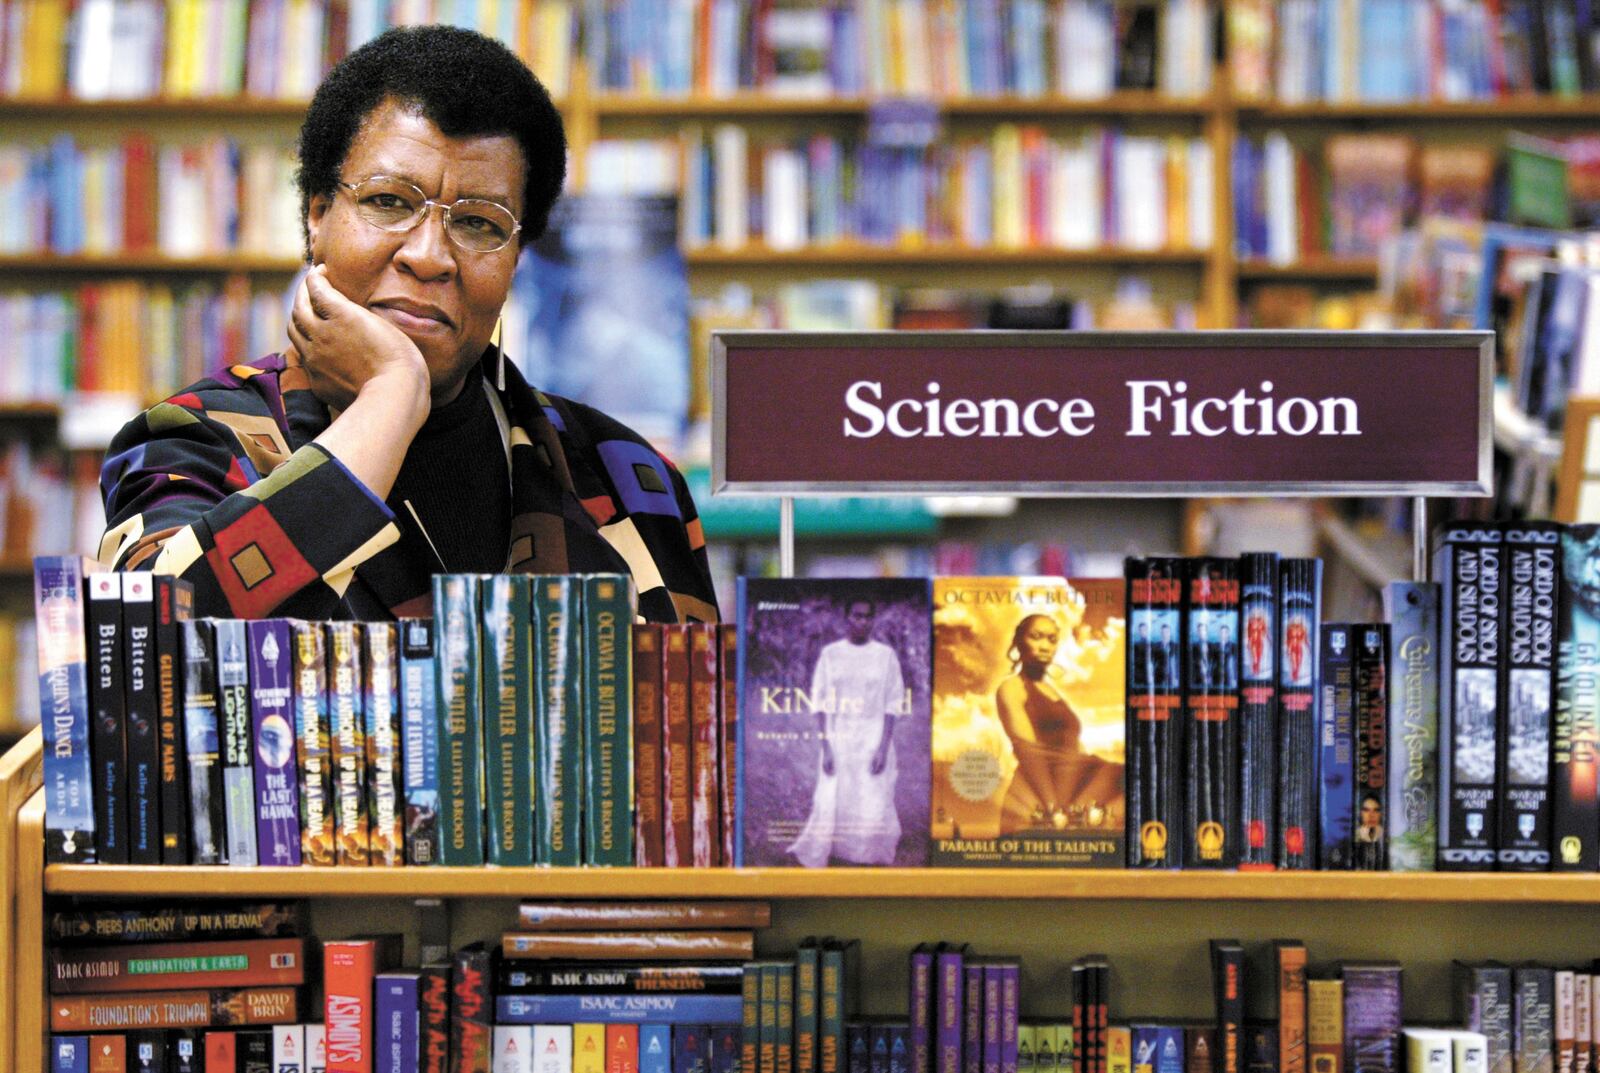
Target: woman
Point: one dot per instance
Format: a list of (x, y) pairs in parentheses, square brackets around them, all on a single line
[(391, 441), (1056, 784)]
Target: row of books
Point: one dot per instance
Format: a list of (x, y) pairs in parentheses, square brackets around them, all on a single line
[(276, 49), (1020, 188), (136, 196), (46, 495)]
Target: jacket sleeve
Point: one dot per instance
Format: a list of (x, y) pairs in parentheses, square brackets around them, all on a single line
[(183, 497)]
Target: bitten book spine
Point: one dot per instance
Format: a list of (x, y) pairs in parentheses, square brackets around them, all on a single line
[(276, 793), (419, 720), (608, 602), (207, 816), (649, 834), (1531, 585), (455, 603), (1210, 726), (385, 788), (238, 772), (705, 810), (1336, 748), (174, 602), (1299, 622), (509, 705), (107, 704), (676, 749), (1258, 710), (315, 757), (1370, 842), (348, 744), (1155, 705), (728, 737), (1575, 748), (1412, 610), (558, 730), (144, 745)]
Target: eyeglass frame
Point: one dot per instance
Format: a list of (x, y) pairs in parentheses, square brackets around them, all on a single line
[(428, 204)]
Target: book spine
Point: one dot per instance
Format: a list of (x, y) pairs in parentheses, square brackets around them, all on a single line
[(386, 845), (215, 1008), (922, 1012), (608, 720), (1372, 1018), (690, 1048), (834, 1008), (785, 1025), (109, 741), (767, 1019), (622, 1049), (1370, 849), (276, 798), (1575, 749), (263, 920), (612, 946), (807, 966), (1291, 957), (588, 1048), (1261, 1047), (552, 1050), (1484, 1004), (1533, 1019), (558, 730), (349, 968), (1467, 561), (676, 749), (649, 832), (288, 1049), (222, 1052), (396, 1034), (433, 1026), (1565, 1029), (1010, 1014), (316, 1048), (238, 772), (472, 1012), (1336, 748), (1299, 684), (655, 1050), (1325, 1026), (704, 809), (949, 989), (1258, 709), (749, 1016), (975, 1011), (1155, 703), (174, 602), (1199, 1047), (64, 709), (176, 966), (666, 916), (858, 1046), (1210, 727), (1227, 969), (1412, 609), (69, 1054), (455, 603), (1428, 1051), (509, 704), (348, 746), (605, 978), (1583, 1022), (724, 1047), (1531, 585), (207, 818), (317, 837), (728, 737), (144, 746), (420, 724)]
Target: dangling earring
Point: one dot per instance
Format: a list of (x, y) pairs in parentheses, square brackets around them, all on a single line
[(499, 353)]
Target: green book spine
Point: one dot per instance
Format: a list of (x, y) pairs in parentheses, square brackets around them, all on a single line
[(455, 609), (785, 1044), (831, 1015), (558, 729), (806, 965), (750, 1029), (508, 703), (608, 601), (767, 1059)]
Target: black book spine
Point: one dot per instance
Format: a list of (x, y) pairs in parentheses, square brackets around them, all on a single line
[(253, 1050), (1527, 686), (144, 744), (1336, 761), (1155, 706), (107, 703), (186, 1052), (433, 1027), (1483, 1004), (207, 817), (1575, 752), (471, 1010), (1227, 973), (174, 599), (1371, 837), (1211, 712), (1258, 709), (1299, 617)]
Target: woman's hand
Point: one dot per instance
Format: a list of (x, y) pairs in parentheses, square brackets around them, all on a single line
[(343, 347)]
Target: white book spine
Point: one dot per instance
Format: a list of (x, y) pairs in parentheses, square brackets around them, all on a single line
[(731, 149), (289, 1049), (1470, 1051), (1429, 1050), (513, 1049), (316, 1049), (784, 208), (1202, 202), (552, 1049)]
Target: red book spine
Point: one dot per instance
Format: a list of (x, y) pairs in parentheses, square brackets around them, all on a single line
[(472, 1015), (727, 734), (221, 1052), (348, 967), (109, 1054), (622, 1049), (240, 963), (649, 834), (676, 750), (89, 338), (706, 807), (435, 1018)]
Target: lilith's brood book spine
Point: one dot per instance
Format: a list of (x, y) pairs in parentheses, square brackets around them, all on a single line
[(649, 834), (455, 612), (385, 788), (1211, 738), (1575, 749), (558, 731), (1469, 560), (1371, 1018), (277, 799), (1299, 622), (348, 739), (107, 705), (420, 723), (1371, 835), (1412, 610), (608, 601), (677, 750), (1155, 705), (510, 707), (207, 815), (728, 738), (315, 753), (174, 600), (1532, 584), (1258, 709), (238, 773), (705, 812), (1336, 762), (64, 706), (144, 746)]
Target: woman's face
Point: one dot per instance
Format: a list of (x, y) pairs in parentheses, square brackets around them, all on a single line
[(1039, 640), (444, 298)]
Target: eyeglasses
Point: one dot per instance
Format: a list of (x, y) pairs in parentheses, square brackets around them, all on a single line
[(391, 204)]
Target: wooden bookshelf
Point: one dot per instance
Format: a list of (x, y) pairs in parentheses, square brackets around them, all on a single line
[(1518, 109), (101, 264), (756, 105), (29, 411), (859, 256), (1354, 269)]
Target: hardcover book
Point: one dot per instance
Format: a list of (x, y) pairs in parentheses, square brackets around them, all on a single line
[(419, 720), (1028, 722), (207, 817), (728, 737), (1483, 1003), (455, 604), (1228, 989), (807, 970), (1370, 837), (174, 605), (1325, 1026), (1371, 1017), (385, 793), (347, 737), (349, 969), (396, 1036), (1412, 610), (1533, 1019), (1299, 683), (1527, 685), (510, 707), (472, 1011), (213, 1008), (558, 729), (1258, 710), (1155, 704), (177, 966), (667, 916), (1291, 966), (1211, 715), (677, 749), (1336, 767), (649, 713), (108, 707), (705, 809), (315, 753), (1575, 751), (834, 727), (277, 801), (238, 742), (608, 602), (144, 745), (433, 1029), (948, 993)]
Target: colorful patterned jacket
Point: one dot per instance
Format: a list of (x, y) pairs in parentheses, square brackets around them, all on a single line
[(222, 485)]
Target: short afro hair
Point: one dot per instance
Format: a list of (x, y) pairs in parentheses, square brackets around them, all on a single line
[(463, 82)]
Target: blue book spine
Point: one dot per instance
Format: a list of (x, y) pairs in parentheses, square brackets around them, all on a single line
[(899, 1049), (420, 723), (233, 703), (272, 719), (619, 1009), (690, 1049), (655, 1048), (69, 1054), (1169, 1049), (1336, 748), (725, 1045), (64, 704), (398, 1023), (1145, 1044)]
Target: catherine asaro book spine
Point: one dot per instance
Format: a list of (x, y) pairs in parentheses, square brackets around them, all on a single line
[(1227, 972), (705, 809), (1258, 710), (558, 731), (510, 707), (386, 843), (1291, 970), (1412, 610), (1299, 685), (668, 916), (75, 970), (420, 728), (649, 831), (1155, 709), (1575, 748), (1371, 1017), (455, 612), (317, 836), (58, 593), (174, 601), (238, 770), (144, 741), (207, 816), (677, 750), (728, 736), (276, 792), (348, 744), (1370, 837), (109, 718), (225, 1007), (1468, 561), (1532, 586), (1483, 1004), (608, 604), (434, 1017), (1211, 712), (1336, 762)]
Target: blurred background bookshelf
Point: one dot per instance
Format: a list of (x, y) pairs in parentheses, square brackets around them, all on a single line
[(818, 164)]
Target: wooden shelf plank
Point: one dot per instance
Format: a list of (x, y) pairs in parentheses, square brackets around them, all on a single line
[(857, 256), (908, 883), (29, 411), (148, 262), (1364, 269), (1512, 108), (233, 107), (756, 105)]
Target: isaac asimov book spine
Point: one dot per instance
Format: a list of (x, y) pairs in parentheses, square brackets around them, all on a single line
[(1299, 619), (1527, 685), (1258, 709), (64, 692), (1575, 751), (311, 733), (1412, 610), (1211, 715), (1154, 717)]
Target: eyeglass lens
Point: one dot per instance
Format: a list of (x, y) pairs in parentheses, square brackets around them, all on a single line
[(394, 205)]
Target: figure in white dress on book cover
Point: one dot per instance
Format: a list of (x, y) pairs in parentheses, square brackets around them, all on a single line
[(858, 693)]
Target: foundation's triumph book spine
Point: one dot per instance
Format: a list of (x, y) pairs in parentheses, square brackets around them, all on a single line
[(1258, 710), (1299, 621), (1532, 583), (1575, 746), (1155, 707), (1211, 708), (1412, 610)]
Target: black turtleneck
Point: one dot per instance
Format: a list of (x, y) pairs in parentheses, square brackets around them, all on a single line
[(455, 476)]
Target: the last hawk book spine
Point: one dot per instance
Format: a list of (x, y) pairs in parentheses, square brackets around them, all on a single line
[(1527, 686), (1155, 708), (1258, 710), (1299, 681), (1211, 707)]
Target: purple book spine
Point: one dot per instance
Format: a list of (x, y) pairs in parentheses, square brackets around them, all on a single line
[(1371, 1018), (972, 1024), (948, 989), (272, 722), (397, 1023), (921, 993), (1010, 1014), (991, 1017)]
